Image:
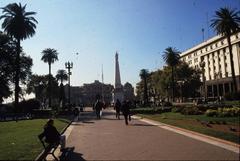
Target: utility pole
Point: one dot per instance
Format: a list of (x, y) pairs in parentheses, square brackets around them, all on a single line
[(68, 66)]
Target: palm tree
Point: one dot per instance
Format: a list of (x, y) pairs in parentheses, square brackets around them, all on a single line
[(20, 25), (144, 73), (62, 76), (171, 57), (226, 23), (49, 56)]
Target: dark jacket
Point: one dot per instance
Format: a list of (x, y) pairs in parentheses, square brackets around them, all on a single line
[(117, 106), (98, 106), (51, 134), (125, 108)]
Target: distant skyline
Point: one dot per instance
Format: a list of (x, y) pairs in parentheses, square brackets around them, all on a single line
[(139, 30)]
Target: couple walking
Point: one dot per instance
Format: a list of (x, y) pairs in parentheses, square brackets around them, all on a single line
[(125, 108)]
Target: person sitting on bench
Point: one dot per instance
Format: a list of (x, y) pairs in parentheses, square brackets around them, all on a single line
[(53, 136)]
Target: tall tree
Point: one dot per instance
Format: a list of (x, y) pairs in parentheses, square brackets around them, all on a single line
[(226, 23), (49, 56), (7, 66), (171, 57), (20, 25), (62, 76), (144, 73)]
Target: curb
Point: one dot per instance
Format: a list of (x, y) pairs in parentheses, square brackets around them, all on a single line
[(195, 135)]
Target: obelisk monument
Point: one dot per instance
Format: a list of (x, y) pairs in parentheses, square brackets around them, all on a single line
[(118, 88)]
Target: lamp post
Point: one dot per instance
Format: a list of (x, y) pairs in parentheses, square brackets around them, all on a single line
[(68, 66), (202, 65)]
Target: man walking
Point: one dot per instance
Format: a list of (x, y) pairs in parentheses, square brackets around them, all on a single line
[(117, 107), (126, 111)]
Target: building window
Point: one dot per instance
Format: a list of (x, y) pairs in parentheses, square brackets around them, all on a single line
[(222, 42), (216, 45), (226, 74), (201, 50), (211, 47), (206, 49), (224, 50), (195, 60), (236, 36)]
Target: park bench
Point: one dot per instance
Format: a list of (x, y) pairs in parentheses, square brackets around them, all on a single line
[(48, 148), (51, 148)]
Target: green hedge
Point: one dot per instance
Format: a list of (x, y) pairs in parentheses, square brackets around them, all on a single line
[(223, 112)]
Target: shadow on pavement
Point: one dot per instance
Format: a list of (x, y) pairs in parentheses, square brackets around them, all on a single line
[(74, 156), (88, 122), (141, 125)]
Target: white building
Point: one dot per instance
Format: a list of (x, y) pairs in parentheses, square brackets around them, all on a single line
[(216, 67)]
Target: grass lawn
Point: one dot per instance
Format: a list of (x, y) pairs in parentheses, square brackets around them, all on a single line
[(193, 122), (19, 141)]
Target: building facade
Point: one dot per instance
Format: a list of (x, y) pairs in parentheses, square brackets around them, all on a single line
[(88, 93), (95, 90), (213, 59)]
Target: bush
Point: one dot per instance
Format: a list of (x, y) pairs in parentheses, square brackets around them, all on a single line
[(232, 96), (177, 108), (167, 104), (190, 111), (227, 112), (224, 112), (28, 106), (7, 108), (43, 113), (211, 113)]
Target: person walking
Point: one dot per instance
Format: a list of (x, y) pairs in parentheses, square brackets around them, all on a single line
[(117, 108), (76, 113), (126, 111), (98, 108)]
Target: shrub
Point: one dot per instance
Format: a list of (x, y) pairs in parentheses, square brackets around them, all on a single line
[(224, 112), (177, 108), (190, 111), (232, 96), (43, 113), (28, 106), (211, 113)]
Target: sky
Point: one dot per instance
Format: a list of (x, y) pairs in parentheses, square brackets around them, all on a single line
[(139, 30)]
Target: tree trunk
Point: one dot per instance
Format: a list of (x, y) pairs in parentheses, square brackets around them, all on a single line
[(232, 64), (173, 86), (145, 91), (49, 87), (17, 69)]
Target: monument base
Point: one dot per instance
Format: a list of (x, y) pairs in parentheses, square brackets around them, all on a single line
[(118, 94)]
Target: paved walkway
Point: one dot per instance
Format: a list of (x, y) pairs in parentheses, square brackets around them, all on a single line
[(111, 139)]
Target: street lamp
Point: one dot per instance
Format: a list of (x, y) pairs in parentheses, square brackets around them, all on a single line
[(202, 65), (68, 66)]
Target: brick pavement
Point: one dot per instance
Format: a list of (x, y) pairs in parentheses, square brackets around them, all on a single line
[(111, 139)]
